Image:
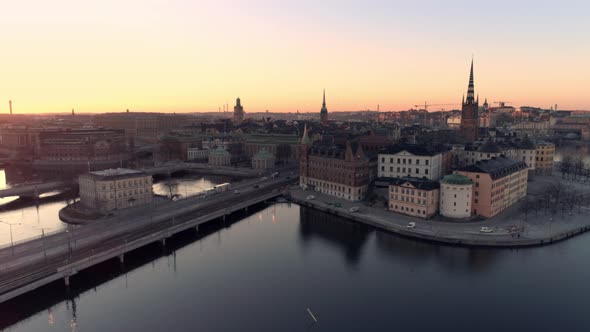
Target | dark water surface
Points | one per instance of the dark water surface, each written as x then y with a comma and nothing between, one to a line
263,271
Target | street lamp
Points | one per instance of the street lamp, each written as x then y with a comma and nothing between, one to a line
11,240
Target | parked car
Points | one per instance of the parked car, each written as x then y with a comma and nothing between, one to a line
236,192
311,197
484,229
354,209
411,225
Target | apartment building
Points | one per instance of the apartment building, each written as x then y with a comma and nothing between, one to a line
416,197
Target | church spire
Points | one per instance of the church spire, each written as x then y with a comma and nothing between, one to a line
471,87
324,110
324,100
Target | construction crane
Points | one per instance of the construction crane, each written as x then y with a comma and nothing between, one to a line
426,105
501,103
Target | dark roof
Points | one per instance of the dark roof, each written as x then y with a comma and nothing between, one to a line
114,174
418,183
415,149
497,167
456,179
489,147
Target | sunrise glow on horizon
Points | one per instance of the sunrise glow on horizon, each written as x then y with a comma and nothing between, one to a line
195,56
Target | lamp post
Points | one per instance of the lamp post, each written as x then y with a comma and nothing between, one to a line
11,240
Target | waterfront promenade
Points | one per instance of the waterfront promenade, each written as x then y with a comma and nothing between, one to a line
32,264
536,229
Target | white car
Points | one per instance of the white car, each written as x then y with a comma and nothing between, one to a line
311,197
264,178
486,230
236,192
411,225
354,209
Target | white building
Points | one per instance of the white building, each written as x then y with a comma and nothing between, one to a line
455,196
405,160
197,154
115,189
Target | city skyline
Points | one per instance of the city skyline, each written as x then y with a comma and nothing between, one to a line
183,57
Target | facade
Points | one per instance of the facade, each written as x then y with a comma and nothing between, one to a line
175,147
282,146
22,142
498,184
472,153
324,111
409,160
196,154
544,152
219,157
143,127
238,112
115,189
469,112
455,196
340,171
414,197
263,160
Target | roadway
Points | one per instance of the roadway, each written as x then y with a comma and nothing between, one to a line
40,258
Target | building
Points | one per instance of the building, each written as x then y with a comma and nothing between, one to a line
219,157
472,153
20,141
498,184
469,112
196,154
175,147
340,171
143,127
282,146
324,111
263,160
412,160
414,196
115,189
544,152
81,150
238,112
455,196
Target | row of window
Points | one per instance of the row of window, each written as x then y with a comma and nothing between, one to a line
404,160
406,209
403,170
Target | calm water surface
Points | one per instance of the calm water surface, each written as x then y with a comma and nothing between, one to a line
262,272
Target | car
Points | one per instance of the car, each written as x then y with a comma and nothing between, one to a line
484,229
264,178
354,209
337,204
311,197
236,192
411,225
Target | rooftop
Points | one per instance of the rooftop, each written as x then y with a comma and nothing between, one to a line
456,179
497,167
418,183
117,173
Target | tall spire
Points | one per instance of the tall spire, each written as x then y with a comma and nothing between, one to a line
471,87
305,138
324,100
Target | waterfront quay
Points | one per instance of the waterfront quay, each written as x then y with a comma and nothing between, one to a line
511,228
32,264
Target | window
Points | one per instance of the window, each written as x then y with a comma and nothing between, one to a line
404,161
409,161
417,161
426,171
417,171
426,161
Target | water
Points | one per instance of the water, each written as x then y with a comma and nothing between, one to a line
263,272
29,221
188,185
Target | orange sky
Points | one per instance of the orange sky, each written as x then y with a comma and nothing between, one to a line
186,56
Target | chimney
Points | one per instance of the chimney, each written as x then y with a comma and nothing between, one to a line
10,106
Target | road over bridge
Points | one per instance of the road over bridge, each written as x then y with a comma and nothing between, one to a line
35,189
35,263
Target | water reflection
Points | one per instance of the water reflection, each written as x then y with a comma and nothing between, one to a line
346,236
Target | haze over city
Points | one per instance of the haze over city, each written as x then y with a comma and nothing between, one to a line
195,56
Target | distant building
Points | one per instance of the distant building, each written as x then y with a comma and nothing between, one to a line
498,184
263,160
455,196
143,127
324,111
414,197
238,112
219,157
115,189
340,171
412,160
196,154
81,150
544,154
469,112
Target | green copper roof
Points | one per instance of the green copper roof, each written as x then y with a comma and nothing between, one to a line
456,179
218,151
264,154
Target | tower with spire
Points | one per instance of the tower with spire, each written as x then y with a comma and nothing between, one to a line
238,112
303,157
469,112
324,111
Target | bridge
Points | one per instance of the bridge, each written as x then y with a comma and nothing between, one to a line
35,189
30,265
202,168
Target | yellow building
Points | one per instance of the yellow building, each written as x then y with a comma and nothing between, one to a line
415,197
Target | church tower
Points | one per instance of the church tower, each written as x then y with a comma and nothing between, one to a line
238,112
469,112
324,111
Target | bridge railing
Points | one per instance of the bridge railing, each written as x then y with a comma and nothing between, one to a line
31,238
